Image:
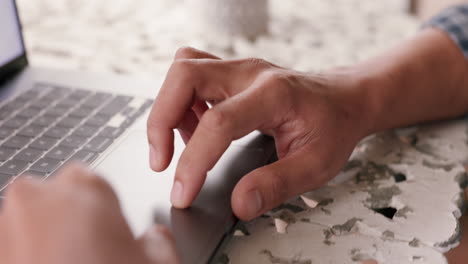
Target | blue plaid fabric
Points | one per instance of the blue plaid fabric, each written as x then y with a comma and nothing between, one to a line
454,21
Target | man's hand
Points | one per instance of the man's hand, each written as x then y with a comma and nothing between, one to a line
74,218
316,122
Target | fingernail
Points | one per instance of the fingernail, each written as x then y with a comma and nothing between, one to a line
154,162
177,194
254,203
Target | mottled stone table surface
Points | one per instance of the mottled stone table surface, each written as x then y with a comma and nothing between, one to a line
399,198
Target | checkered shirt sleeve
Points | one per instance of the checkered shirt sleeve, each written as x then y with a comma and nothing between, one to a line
454,21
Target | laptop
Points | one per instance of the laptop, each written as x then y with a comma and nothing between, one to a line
50,117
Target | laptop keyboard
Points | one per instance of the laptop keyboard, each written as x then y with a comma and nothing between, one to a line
47,126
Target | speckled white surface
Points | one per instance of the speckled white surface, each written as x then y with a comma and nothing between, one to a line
310,35
140,39
417,173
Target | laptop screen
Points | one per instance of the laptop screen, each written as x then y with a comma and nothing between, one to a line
11,45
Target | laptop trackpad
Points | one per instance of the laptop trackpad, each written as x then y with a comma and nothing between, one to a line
140,190
144,194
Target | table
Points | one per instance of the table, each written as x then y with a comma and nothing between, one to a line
398,199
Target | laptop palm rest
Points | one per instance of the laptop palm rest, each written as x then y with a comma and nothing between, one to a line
144,194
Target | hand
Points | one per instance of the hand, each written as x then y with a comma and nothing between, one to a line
316,121
74,218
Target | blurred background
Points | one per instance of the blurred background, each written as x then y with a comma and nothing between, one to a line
140,37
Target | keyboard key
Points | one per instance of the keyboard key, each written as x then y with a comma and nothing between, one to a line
96,100
44,121
123,99
57,132
31,131
81,112
117,121
69,122
29,95
5,132
5,179
147,104
111,132
84,156
58,92
79,94
67,103
45,165
56,111
115,106
7,108
16,142
16,104
29,155
15,122
131,113
6,153
36,174
85,131
41,104
97,120
13,167
4,114
98,144
28,113
74,141
60,153
43,143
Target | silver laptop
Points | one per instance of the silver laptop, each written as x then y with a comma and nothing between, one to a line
49,117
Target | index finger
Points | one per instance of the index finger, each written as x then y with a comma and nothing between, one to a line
219,126
187,81
160,129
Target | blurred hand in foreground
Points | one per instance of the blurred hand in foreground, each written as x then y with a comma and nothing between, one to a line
74,218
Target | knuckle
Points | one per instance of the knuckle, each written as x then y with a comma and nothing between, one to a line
215,119
76,173
186,71
96,183
185,52
183,65
72,171
278,85
257,63
19,189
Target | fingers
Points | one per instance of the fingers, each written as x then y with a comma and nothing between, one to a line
269,186
21,192
160,137
188,125
189,83
190,121
76,179
192,53
183,85
159,246
218,127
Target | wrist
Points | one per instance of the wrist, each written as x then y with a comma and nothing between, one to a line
356,96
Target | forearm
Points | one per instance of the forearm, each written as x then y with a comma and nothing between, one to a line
423,79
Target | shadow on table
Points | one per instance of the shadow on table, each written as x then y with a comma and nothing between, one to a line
459,255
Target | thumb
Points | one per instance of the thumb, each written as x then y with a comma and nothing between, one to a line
269,186
159,246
